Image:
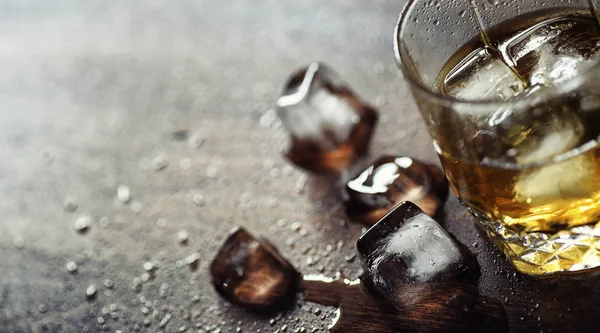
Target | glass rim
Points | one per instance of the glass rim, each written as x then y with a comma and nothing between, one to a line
546,93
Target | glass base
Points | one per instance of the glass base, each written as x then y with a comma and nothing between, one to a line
543,254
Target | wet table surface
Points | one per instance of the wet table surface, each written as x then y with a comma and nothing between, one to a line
99,94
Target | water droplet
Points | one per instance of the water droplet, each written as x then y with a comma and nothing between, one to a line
136,207
71,267
42,308
108,283
161,222
70,205
145,277
296,226
148,266
164,321
245,197
274,173
192,261
380,101
287,170
137,284
198,199
268,118
159,163
268,164
300,184
83,223
90,292
306,249
291,243
196,141
123,194
183,237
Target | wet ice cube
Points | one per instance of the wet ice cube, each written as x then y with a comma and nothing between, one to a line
557,182
554,51
252,273
330,127
531,134
391,180
548,144
407,249
483,76
552,68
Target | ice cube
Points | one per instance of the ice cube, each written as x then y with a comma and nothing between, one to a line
330,127
548,145
407,256
391,180
557,182
554,51
252,273
531,134
483,76
553,68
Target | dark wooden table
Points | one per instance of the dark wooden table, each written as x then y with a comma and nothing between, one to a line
96,94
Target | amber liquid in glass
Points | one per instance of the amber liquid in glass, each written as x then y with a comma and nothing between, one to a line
530,168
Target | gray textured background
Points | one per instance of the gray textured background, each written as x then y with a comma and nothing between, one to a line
92,91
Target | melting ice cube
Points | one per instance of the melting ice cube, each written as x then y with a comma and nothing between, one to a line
407,248
391,180
482,76
554,51
329,125
252,273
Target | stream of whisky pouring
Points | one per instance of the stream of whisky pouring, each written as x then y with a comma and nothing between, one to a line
489,45
493,49
594,14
